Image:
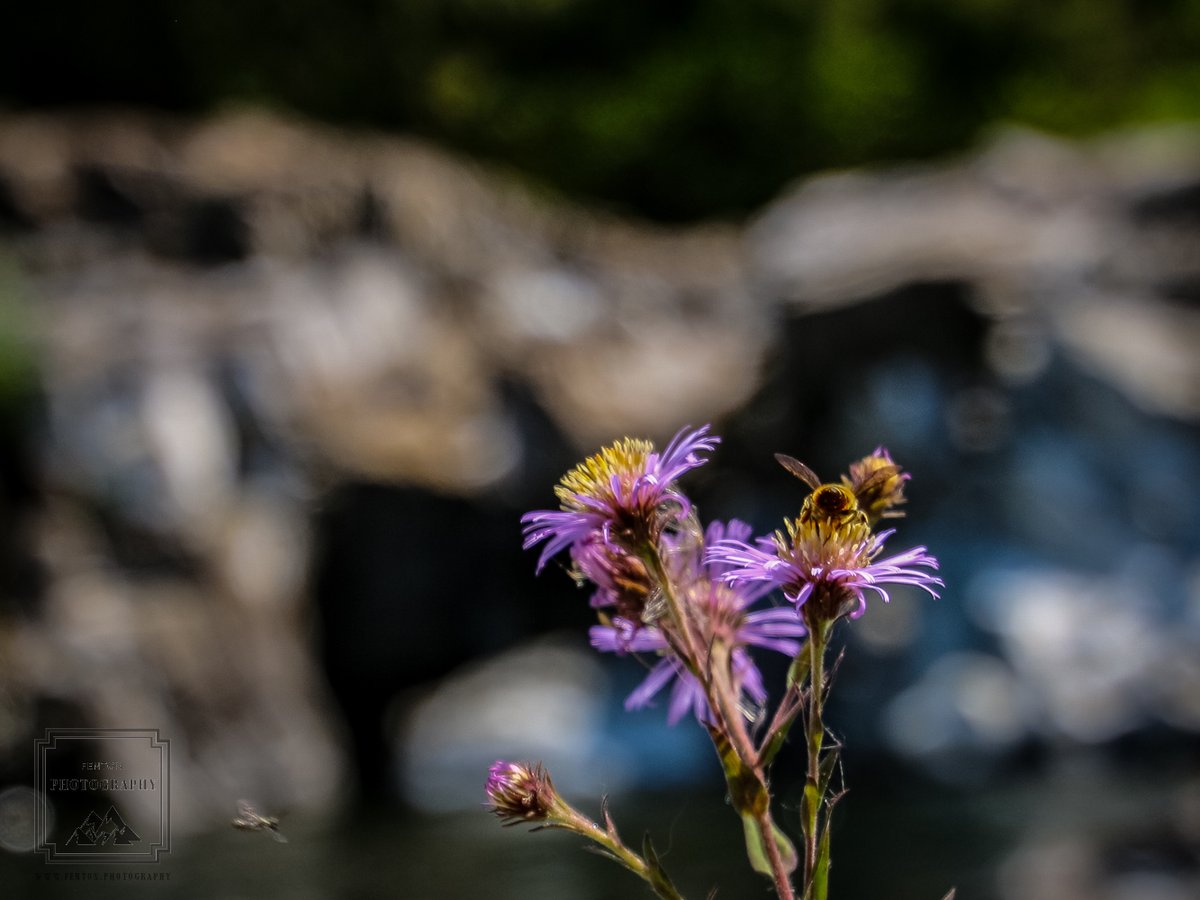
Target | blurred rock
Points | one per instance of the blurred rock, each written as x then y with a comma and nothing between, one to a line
239,320
1117,842
506,708
1095,243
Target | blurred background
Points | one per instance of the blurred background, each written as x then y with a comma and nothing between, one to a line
302,305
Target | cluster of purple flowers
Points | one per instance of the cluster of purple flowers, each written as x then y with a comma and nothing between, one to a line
665,586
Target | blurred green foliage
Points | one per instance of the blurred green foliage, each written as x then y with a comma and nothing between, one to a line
17,365
675,109
19,406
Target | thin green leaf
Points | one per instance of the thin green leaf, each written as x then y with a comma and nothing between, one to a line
601,850
783,726
821,873
826,769
831,674
797,673
609,825
756,850
787,850
657,874
728,756
811,801
747,793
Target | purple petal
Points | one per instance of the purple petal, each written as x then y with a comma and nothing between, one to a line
686,696
748,675
651,685
608,639
560,529
680,454
799,597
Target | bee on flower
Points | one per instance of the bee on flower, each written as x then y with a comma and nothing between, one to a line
827,558
690,598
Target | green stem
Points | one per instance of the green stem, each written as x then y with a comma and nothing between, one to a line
657,880
712,672
713,669
675,611
779,869
814,799
722,697
723,690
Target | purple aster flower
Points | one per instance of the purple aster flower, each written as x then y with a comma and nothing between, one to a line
721,611
829,557
838,564
625,493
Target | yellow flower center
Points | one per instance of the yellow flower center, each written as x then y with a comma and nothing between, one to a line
593,477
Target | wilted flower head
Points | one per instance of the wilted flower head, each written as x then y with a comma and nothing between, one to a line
827,557
624,493
518,792
722,614
623,583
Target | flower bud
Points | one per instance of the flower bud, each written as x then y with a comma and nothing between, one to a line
878,483
518,792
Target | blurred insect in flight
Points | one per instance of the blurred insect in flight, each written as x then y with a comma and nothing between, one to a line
248,818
